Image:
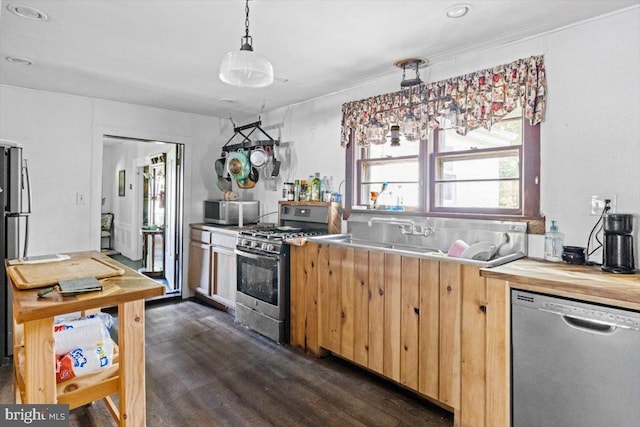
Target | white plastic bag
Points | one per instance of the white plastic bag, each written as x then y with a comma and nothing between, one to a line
82,345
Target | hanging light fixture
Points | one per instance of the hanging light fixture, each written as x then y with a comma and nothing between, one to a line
246,68
409,127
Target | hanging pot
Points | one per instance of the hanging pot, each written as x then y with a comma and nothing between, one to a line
249,182
238,165
259,157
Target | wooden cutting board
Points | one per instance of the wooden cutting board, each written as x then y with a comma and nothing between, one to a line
30,276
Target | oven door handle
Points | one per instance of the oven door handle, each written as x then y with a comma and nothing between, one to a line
255,256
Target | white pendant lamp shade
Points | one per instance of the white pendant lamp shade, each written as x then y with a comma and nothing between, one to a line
246,68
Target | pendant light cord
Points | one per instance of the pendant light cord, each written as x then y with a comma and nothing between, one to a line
246,20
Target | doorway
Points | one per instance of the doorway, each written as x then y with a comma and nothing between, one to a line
142,185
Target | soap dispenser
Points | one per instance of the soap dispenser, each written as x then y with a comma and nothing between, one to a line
553,244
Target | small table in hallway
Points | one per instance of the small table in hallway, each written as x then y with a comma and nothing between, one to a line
149,266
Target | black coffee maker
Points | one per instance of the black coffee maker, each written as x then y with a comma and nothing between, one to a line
618,252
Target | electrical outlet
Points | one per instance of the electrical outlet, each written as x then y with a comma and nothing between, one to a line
80,199
597,204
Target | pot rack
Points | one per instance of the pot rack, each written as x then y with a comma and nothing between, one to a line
248,144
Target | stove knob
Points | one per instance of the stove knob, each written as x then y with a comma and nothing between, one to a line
264,246
254,244
271,248
243,242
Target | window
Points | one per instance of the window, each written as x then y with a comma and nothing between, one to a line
486,173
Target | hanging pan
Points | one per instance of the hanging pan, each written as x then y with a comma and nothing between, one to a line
223,182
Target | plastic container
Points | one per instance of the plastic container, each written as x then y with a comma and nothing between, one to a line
553,244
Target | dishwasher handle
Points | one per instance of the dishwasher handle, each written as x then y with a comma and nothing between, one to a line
589,325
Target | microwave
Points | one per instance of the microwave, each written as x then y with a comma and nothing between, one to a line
228,212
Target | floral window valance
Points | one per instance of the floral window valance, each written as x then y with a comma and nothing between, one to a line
482,98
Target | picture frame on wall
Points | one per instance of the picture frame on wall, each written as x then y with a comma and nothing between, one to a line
121,183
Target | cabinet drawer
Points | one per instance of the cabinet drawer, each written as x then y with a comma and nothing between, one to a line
200,235
225,240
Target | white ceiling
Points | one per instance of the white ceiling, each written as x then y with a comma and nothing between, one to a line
166,53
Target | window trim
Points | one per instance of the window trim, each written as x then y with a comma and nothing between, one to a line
530,191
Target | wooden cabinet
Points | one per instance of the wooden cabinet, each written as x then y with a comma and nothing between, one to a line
212,265
200,267
376,309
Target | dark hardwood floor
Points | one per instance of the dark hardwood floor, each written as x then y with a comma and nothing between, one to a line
205,370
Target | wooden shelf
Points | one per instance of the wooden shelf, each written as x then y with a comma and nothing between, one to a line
81,390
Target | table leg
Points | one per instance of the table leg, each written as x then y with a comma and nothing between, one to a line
132,376
39,362
144,250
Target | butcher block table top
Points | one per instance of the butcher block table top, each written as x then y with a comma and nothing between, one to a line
588,283
29,276
121,288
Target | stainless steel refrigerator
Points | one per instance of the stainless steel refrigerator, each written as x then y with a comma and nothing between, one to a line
15,200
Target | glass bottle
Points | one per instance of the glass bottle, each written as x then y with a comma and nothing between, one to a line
296,190
315,187
303,190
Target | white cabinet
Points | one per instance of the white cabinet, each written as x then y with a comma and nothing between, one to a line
212,265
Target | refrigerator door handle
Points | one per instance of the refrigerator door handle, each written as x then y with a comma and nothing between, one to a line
27,180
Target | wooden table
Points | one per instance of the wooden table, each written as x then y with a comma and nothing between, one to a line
35,361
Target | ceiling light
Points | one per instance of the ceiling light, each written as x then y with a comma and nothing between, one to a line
458,10
27,12
246,68
414,63
18,60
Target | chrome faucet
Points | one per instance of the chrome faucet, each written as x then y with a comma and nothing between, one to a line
407,226
393,221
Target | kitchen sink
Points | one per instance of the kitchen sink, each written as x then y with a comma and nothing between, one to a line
403,249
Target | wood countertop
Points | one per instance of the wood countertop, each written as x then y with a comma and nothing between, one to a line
127,287
582,282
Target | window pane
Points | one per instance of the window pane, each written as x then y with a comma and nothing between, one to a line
406,148
396,194
487,194
390,171
503,133
484,166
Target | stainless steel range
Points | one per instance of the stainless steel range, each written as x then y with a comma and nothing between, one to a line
262,300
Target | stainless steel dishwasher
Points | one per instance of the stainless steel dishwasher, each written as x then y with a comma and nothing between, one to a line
573,363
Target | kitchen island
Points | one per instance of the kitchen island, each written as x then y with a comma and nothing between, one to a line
34,358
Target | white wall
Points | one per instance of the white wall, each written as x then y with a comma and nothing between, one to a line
62,138
590,138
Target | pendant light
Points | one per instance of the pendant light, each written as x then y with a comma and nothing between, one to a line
244,67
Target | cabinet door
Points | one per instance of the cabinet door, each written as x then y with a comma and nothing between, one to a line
473,349
429,328
200,267
449,363
224,277
361,307
376,311
392,304
410,322
347,304
330,269
297,296
498,329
